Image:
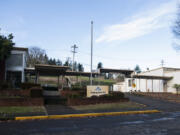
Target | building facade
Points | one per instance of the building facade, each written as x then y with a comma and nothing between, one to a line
15,65
156,80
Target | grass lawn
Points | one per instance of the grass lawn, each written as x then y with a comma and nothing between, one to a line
21,109
108,106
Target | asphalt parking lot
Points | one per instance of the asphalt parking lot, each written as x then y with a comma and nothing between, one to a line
165,123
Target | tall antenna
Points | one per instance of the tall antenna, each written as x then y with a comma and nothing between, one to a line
91,50
74,47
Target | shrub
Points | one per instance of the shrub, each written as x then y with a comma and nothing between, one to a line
117,94
77,87
5,85
50,88
29,85
72,94
36,92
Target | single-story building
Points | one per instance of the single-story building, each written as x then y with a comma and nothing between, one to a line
156,80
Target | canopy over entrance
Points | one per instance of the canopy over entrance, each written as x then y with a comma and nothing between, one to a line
57,71
126,72
152,77
50,70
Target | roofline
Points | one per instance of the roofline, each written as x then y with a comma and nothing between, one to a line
20,49
117,69
160,68
46,65
152,77
151,70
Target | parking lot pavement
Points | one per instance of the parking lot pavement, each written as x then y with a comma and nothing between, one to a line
165,123
142,124
153,103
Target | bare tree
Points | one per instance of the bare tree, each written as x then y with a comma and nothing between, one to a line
36,56
176,30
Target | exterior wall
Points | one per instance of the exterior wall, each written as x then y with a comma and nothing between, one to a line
175,80
119,87
145,85
157,72
17,68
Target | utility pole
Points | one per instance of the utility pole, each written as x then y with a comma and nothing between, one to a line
73,51
91,50
162,62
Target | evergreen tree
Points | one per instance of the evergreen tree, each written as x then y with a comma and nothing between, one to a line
137,69
6,45
100,65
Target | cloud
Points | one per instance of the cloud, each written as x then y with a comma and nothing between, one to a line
139,24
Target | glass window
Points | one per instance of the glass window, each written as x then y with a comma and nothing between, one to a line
15,60
129,82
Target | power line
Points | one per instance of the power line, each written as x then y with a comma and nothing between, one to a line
73,51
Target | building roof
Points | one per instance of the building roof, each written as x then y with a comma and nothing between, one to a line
75,73
126,72
53,70
20,49
165,68
50,70
152,77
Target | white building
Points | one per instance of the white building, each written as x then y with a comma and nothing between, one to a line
15,65
156,80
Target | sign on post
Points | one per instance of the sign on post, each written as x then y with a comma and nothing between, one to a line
97,90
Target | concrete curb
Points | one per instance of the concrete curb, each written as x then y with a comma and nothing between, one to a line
86,115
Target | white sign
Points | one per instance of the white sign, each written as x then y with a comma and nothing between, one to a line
97,90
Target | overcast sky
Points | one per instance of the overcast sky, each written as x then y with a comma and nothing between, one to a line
126,32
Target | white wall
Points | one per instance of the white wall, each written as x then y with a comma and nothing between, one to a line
175,80
156,72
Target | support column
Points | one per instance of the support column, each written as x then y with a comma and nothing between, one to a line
146,86
77,79
80,80
139,84
159,86
152,85
62,81
37,77
58,82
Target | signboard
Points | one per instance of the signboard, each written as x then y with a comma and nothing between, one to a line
134,85
97,90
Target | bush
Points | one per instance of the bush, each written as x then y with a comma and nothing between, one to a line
50,88
5,86
77,87
72,94
36,92
29,85
117,94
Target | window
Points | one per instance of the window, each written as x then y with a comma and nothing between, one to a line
15,60
129,82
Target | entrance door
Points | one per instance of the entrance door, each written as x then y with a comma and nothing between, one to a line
14,77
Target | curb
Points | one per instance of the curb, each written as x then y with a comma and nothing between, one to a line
86,115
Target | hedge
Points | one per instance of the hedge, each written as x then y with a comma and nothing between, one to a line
72,94
93,100
109,98
36,92
29,85
50,88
